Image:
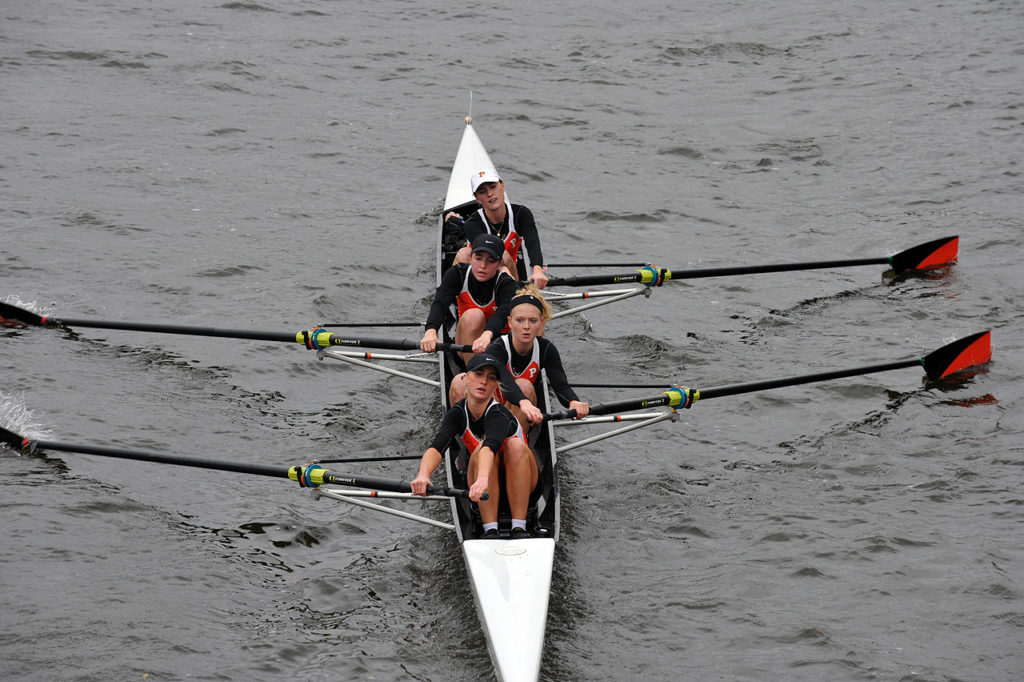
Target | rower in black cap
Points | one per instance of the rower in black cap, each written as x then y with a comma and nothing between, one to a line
483,293
495,442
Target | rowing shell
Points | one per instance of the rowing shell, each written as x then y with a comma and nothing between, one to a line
511,579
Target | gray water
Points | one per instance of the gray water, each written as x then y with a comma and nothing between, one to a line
273,165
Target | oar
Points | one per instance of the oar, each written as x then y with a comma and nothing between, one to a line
309,475
328,325
962,354
315,338
921,257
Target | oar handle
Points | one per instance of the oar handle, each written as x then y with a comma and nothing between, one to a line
445,491
313,475
649,275
318,338
677,396
560,415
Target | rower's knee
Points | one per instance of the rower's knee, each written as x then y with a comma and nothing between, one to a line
517,453
528,389
464,254
457,390
472,321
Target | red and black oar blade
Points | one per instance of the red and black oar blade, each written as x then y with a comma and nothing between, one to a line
11,439
962,354
933,254
12,314
968,352
926,256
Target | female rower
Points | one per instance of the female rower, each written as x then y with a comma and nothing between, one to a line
483,293
524,352
495,442
512,223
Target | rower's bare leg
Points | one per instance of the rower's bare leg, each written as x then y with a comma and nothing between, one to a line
457,390
510,265
471,326
520,476
529,391
488,507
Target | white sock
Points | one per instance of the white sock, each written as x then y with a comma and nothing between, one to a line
492,526
519,523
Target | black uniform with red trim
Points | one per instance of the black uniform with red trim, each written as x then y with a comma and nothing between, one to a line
518,229
458,285
493,429
543,355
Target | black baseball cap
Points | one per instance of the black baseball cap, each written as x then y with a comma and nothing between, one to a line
483,360
489,243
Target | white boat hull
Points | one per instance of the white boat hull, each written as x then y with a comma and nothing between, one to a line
511,581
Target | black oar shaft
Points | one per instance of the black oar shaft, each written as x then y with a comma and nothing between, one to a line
775,267
596,265
928,255
700,273
294,473
173,329
957,356
389,344
591,280
286,337
313,338
969,351
329,325
144,456
612,407
627,405
734,389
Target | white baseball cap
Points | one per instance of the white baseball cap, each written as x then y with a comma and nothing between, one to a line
482,176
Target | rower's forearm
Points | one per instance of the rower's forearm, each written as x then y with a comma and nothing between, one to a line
429,462
485,460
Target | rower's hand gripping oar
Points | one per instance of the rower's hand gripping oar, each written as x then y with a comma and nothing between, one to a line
925,256
313,475
313,339
308,475
954,357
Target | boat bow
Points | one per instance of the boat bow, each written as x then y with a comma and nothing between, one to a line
511,582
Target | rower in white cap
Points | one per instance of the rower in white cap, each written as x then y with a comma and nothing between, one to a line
512,223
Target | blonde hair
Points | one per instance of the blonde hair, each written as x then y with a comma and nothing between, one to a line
531,290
